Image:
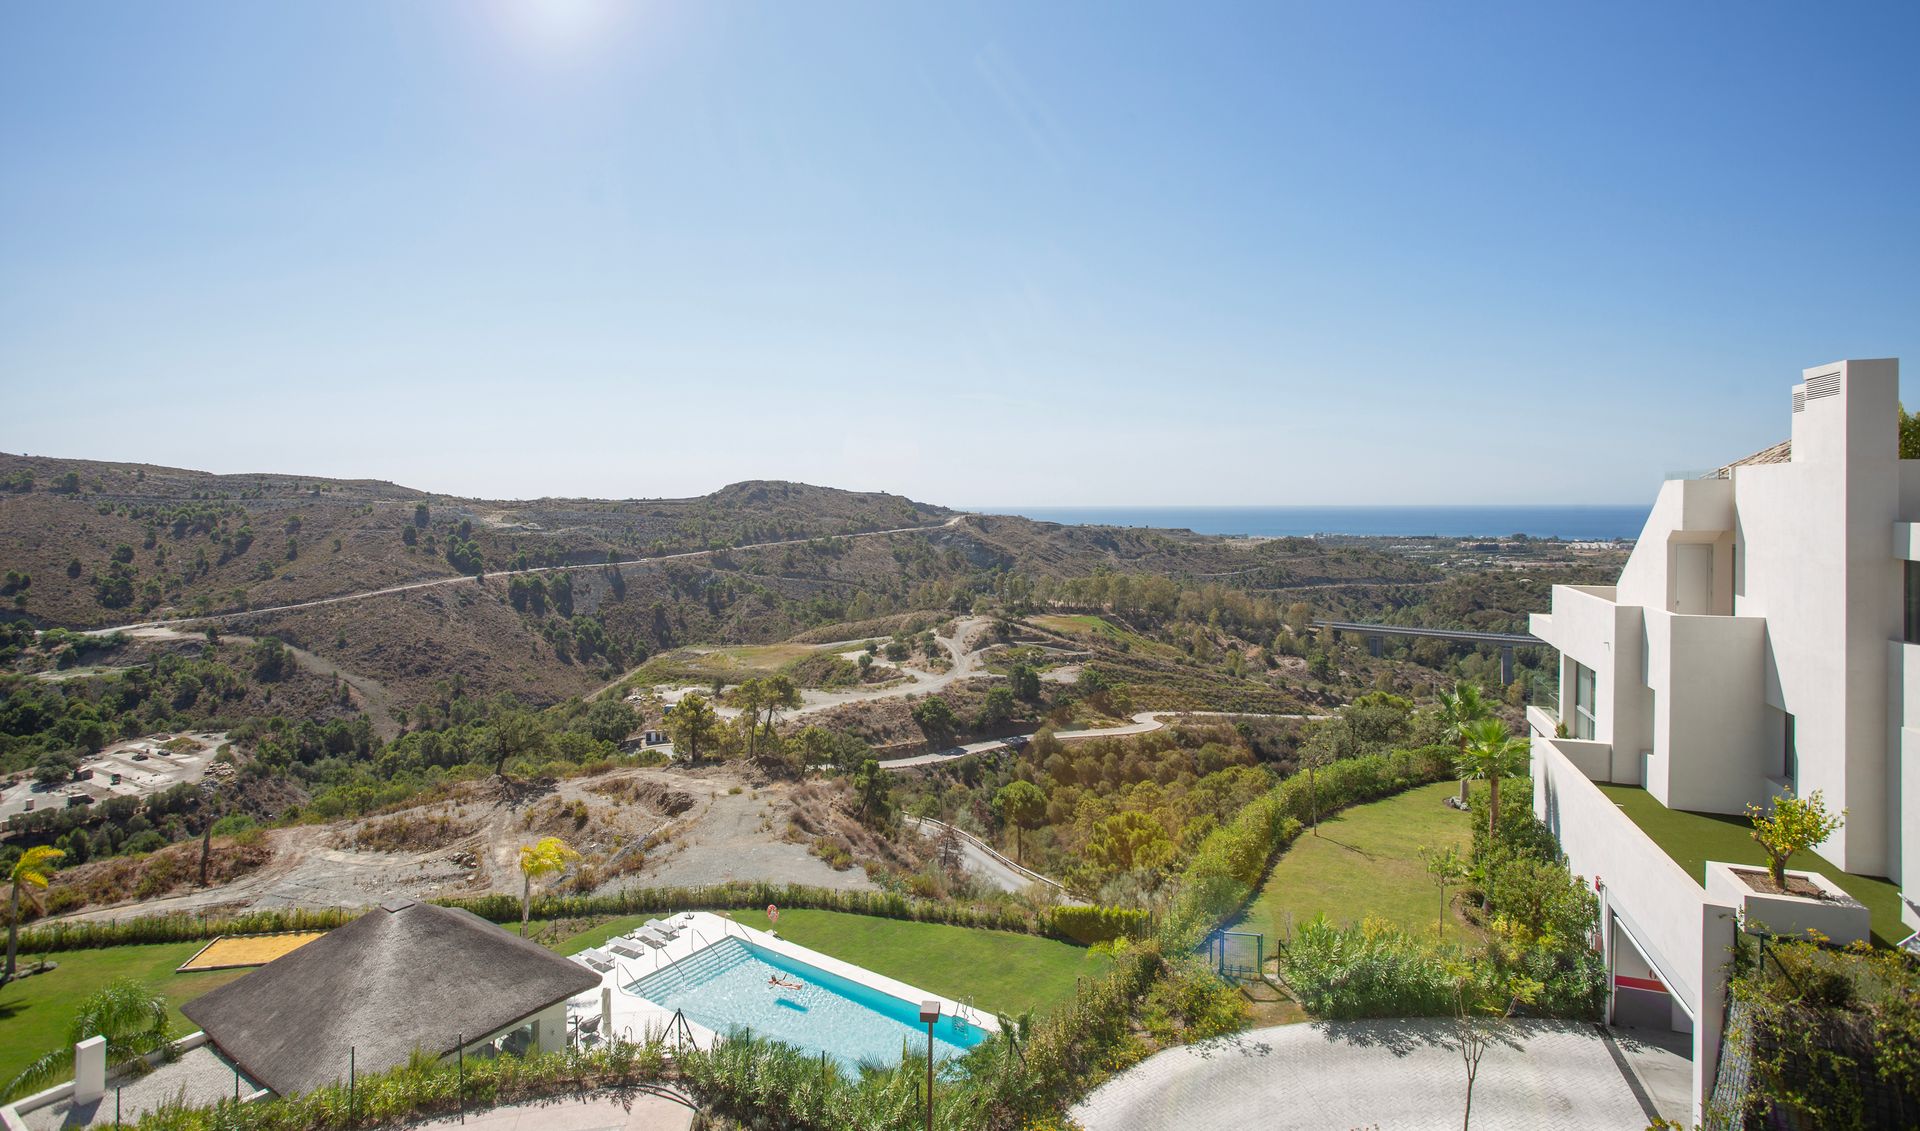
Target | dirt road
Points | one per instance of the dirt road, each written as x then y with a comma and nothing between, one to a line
414,586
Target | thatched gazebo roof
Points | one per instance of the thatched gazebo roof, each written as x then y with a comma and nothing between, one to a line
404,976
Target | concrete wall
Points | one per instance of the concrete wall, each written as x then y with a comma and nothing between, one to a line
1712,748
1685,937
1816,537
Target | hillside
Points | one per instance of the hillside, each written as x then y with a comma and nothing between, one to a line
549,598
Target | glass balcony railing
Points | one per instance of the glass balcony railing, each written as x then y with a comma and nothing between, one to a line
1546,695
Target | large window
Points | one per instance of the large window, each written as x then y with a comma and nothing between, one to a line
1583,714
1913,602
1790,756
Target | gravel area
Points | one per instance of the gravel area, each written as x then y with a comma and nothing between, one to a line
201,1076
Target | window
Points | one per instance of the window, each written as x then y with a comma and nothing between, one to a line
1583,697
1790,757
1913,602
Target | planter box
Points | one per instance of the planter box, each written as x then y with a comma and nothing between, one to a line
1836,915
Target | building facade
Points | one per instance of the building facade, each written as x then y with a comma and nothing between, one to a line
1764,638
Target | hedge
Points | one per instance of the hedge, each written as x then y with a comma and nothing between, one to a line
1069,924
1227,869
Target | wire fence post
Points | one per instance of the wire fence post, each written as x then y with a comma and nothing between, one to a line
351,1050
116,1107
461,1055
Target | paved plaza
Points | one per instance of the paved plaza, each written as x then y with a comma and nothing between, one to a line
1394,1074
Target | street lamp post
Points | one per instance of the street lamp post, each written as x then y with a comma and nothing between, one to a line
929,1013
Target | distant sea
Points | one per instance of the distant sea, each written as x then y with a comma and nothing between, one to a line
1571,522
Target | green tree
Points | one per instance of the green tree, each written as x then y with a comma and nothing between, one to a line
611,720
420,515
1130,841
1493,754
997,707
1909,434
548,857
511,735
1795,825
1022,805
693,726
1459,709
1445,869
1024,681
750,696
935,718
873,792
31,873
132,1017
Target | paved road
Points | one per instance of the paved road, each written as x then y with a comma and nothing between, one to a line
1540,1076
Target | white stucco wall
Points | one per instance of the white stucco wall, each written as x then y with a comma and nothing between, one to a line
1687,937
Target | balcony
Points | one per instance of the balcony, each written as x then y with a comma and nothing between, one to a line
1692,839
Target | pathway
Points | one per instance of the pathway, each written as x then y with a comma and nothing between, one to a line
1536,1076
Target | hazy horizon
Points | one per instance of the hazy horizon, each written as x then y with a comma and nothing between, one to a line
1338,255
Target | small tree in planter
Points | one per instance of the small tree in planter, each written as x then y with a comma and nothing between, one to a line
1796,824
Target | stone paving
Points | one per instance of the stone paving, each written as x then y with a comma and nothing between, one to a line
1389,1074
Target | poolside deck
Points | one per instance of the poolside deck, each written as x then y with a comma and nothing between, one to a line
635,1018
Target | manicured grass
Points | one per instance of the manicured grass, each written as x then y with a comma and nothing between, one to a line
1366,862
1002,972
35,1012
1692,839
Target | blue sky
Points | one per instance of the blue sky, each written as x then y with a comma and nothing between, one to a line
1019,253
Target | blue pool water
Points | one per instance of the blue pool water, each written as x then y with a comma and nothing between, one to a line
725,988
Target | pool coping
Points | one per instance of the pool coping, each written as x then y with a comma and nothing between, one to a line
700,930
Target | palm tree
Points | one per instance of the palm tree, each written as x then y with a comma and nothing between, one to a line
543,859
1490,752
1459,709
131,1016
30,871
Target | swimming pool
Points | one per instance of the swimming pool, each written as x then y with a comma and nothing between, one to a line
725,988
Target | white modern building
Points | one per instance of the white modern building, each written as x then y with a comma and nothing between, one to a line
1764,637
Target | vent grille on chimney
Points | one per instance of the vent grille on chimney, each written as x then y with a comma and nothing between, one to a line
1825,385
1799,398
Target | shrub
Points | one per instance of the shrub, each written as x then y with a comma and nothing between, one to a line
1371,970
1090,924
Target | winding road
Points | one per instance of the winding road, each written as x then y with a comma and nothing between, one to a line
413,586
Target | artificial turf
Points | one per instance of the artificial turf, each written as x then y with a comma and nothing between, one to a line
1364,863
1692,839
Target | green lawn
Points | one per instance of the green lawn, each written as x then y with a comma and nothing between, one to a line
1692,839
1366,861
1002,972
35,1012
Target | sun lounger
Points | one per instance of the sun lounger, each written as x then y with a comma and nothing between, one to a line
626,948
598,959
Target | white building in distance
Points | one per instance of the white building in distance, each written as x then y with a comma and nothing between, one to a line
1764,637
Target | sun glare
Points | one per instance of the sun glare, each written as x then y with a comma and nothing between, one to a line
556,27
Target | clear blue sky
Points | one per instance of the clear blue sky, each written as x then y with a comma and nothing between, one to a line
1005,253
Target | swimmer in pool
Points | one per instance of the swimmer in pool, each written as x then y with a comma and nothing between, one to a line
777,980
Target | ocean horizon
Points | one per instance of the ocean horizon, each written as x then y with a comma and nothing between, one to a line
1578,523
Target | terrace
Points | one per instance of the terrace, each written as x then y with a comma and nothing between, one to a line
1692,839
